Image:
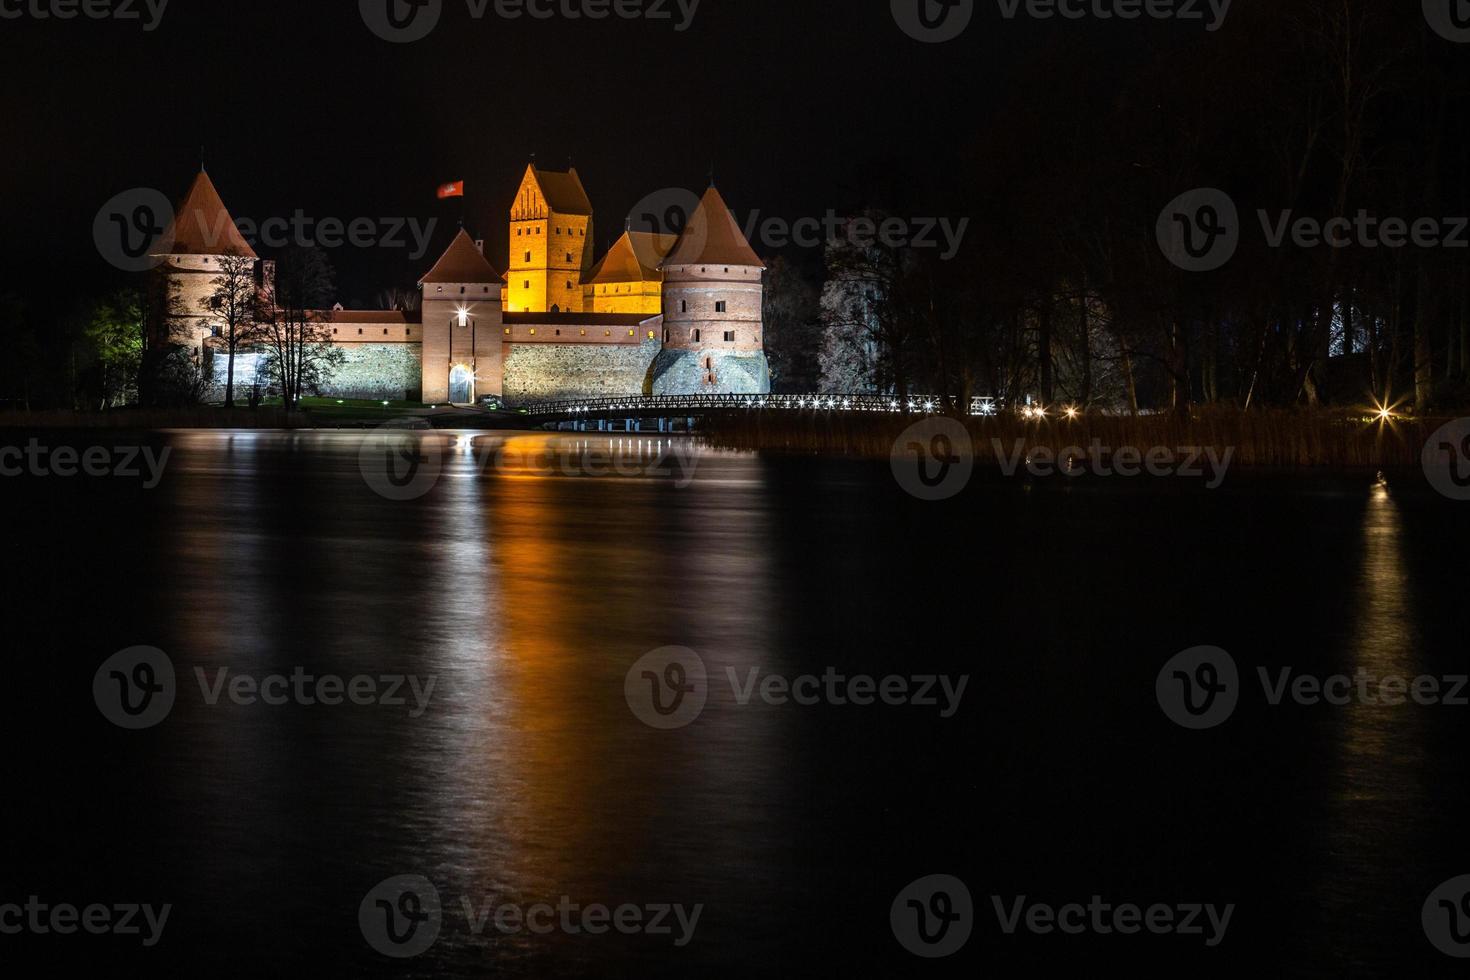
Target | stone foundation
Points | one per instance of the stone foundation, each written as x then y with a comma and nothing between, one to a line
559,372
678,372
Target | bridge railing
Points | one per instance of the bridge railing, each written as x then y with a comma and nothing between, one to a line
682,404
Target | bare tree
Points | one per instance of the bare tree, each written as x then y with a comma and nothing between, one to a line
300,354
233,306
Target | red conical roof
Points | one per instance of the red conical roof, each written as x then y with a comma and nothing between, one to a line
462,262
633,258
712,237
203,226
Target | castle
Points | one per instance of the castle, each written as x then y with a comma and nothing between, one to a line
656,315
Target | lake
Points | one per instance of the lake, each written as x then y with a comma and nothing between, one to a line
563,705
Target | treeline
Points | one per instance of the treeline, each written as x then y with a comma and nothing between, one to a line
1062,290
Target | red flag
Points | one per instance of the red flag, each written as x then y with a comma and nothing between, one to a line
455,189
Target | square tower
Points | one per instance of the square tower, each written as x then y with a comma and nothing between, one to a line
462,326
550,243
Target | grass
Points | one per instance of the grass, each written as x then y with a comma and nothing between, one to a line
1282,439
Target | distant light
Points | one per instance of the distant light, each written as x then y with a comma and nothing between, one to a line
1071,411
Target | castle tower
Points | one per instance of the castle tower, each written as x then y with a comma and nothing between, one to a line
550,235
462,326
627,279
188,262
712,296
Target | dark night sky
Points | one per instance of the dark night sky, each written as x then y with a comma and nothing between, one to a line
797,104
802,106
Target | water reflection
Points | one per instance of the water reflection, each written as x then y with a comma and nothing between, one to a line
1376,788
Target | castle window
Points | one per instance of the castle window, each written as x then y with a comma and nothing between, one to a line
683,306
607,333
558,333
533,331
729,336
507,331
461,290
650,335
487,289
528,256
385,331
439,289
697,335
359,331
666,336
334,330
408,331
720,307
569,257
526,284
518,233
582,232
632,333
584,333
569,284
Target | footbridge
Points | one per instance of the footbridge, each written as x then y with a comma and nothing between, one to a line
673,412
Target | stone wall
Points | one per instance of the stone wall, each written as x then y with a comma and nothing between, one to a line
387,371
556,372
711,372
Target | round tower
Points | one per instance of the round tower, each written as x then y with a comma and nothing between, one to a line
712,306
188,264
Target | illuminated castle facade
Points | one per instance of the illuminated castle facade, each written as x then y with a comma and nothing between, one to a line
655,315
